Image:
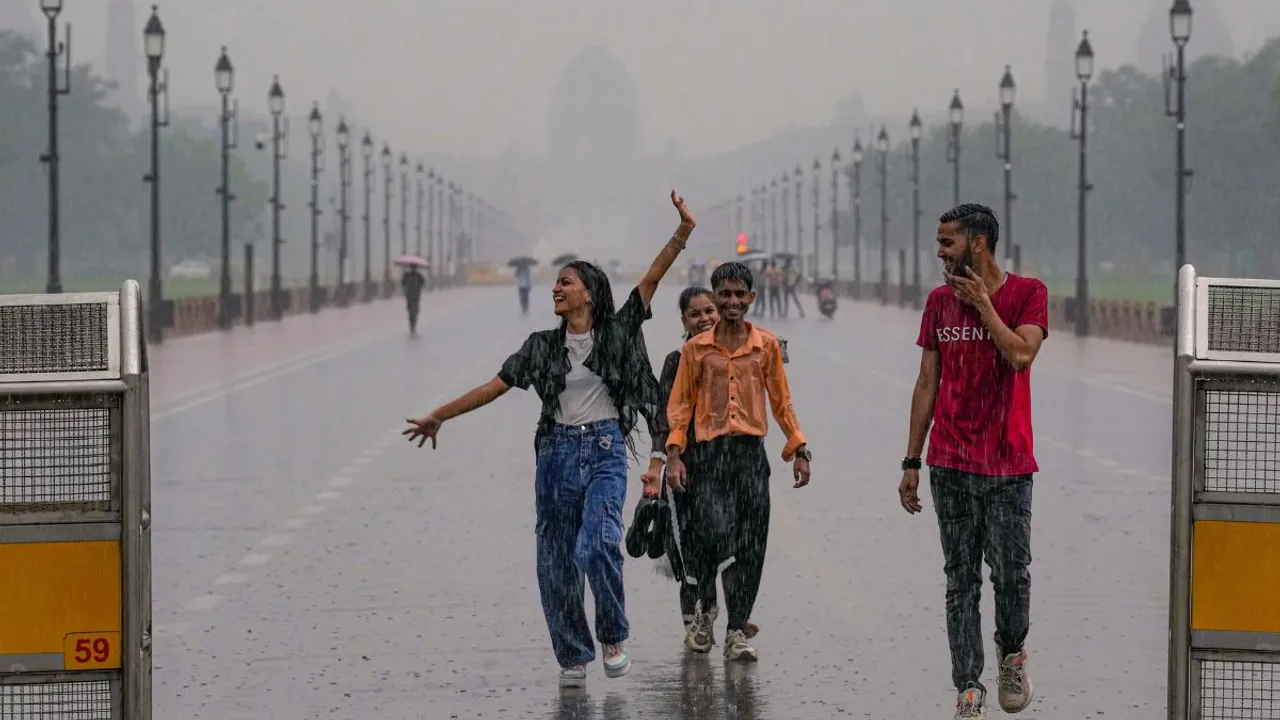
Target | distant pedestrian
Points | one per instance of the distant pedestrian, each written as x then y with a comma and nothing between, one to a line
720,389
412,284
980,332
593,377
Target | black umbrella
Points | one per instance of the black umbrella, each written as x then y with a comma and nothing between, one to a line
564,259
522,261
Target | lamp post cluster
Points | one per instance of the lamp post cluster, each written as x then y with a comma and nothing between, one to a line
766,196
453,216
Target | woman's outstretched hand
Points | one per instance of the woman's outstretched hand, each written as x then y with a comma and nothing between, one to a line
686,219
423,428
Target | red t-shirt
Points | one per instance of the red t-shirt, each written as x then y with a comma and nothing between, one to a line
982,417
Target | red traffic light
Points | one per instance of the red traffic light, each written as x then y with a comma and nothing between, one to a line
742,243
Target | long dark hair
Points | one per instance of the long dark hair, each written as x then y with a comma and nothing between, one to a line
635,384
686,297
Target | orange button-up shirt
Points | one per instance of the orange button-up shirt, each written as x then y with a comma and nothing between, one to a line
723,392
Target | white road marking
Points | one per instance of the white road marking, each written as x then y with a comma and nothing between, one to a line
276,540
296,523
311,509
203,602
340,481
256,559
328,495
231,579
175,629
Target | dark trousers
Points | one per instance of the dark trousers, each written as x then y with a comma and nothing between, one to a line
983,516
414,303
728,519
524,299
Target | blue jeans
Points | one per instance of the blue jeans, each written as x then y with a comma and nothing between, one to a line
983,515
580,489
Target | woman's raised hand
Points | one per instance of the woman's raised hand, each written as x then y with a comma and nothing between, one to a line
686,219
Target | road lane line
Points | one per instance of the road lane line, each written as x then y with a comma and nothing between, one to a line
202,602
257,377
256,559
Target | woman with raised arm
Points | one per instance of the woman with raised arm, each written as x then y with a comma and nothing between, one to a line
593,377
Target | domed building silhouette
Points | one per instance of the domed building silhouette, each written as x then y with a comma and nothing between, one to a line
595,146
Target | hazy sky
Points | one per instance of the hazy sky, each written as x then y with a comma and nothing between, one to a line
475,75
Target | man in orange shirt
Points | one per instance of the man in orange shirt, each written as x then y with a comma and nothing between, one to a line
720,387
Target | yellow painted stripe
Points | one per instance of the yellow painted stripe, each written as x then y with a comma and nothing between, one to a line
51,590
1235,576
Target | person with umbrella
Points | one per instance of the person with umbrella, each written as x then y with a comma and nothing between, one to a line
593,376
524,280
411,284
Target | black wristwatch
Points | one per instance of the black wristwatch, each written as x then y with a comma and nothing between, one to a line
803,452
910,463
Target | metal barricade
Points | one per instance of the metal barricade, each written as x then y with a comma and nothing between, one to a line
75,541
1224,605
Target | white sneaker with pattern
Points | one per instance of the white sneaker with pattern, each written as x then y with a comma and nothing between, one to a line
971,703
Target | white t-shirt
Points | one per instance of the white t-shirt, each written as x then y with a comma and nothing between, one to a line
585,398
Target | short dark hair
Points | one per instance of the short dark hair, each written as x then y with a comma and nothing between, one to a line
731,271
689,293
974,220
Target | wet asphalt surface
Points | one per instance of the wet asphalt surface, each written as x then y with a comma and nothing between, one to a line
309,563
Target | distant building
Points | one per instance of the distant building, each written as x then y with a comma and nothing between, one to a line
1059,64
124,59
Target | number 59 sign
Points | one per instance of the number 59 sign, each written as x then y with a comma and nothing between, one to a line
91,651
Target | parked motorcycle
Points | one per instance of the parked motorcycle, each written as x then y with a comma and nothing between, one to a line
825,291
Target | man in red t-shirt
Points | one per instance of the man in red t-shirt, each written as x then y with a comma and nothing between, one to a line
980,333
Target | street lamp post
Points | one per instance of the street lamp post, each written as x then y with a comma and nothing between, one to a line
798,176
882,145
1084,71
1176,75
1004,152
386,206
57,49
451,238
366,148
956,115
442,210
315,124
856,189
404,212
153,45
279,151
783,194
817,219
224,80
431,226
417,212
915,127
835,218
344,183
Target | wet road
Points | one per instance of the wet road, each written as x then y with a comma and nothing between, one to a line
310,564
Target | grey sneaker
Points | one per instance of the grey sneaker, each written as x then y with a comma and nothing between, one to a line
736,647
616,661
573,677
700,635
1016,689
971,703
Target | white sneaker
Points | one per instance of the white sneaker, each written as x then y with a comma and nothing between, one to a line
616,661
573,677
700,635
736,647
1016,689
971,703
